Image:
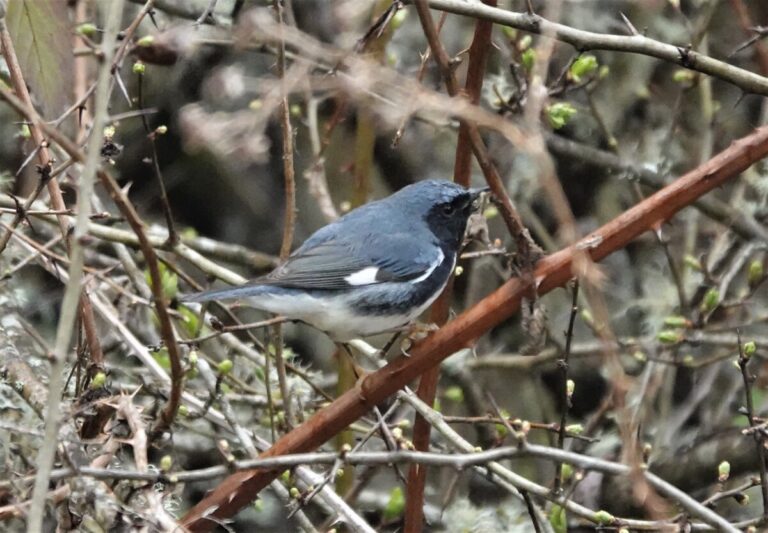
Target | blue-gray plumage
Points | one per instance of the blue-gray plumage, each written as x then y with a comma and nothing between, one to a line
373,270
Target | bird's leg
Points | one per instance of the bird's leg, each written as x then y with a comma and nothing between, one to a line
391,342
357,369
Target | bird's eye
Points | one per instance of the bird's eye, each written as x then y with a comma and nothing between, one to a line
448,209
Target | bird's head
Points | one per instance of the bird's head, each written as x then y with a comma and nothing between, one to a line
443,205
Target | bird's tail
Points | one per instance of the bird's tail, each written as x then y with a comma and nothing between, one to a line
228,293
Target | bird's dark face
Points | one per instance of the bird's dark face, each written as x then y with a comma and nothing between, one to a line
451,206
443,206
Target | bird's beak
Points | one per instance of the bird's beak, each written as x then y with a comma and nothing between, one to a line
477,191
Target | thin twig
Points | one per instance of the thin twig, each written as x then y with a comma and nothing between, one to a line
236,327
425,55
552,427
131,215
128,35
158,516
289,222
173,237
171,407
189,249
268,390
358,446
565,394
441,459
16,368
136,347
759,448
735,492
737,221
116,60
533,511
72,294
761,52
207,12
315,174
575,459
41,145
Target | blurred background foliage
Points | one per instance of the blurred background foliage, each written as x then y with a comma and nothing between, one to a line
221,162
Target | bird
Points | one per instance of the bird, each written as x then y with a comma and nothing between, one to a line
373,270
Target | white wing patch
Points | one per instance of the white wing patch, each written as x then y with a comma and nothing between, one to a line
366,276
431,269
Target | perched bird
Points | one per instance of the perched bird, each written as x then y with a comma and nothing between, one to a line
374,270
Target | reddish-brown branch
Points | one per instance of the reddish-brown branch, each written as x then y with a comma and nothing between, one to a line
289,217
551,272
478,58
462,170
508,212
289,222
417,474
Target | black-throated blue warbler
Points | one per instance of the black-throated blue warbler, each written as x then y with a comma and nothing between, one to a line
374,270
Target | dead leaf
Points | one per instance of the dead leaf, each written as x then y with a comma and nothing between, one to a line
43,42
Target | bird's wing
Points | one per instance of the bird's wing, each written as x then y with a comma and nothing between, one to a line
341,264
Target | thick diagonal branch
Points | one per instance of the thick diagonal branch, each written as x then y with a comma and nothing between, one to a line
551,272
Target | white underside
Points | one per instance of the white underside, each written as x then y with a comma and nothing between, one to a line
331,315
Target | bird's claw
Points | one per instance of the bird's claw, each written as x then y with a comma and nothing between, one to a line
414,333
419,331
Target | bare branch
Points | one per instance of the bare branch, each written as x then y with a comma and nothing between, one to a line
586,40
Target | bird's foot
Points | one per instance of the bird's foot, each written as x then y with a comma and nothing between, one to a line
360,373
416,332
